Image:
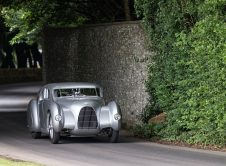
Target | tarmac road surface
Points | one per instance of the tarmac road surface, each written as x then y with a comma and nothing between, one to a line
16,142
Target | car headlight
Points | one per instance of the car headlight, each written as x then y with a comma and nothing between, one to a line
58,117
117,116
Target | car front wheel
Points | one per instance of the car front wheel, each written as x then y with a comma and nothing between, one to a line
53,135
113,136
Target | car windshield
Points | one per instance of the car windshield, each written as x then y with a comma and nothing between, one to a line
76,92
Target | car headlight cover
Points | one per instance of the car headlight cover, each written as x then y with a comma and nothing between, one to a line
117,116
58,117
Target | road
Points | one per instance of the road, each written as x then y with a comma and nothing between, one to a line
14,97
16,142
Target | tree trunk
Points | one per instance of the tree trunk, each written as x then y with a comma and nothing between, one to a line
127,10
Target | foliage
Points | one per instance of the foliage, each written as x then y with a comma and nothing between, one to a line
147,130
27,18
148,112
144,130
187,76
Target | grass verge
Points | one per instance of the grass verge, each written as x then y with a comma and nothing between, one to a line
5,161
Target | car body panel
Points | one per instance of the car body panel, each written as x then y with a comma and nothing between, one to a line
70,113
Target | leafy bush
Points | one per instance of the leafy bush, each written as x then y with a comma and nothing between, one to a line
144,130
147,130
187,74
148,112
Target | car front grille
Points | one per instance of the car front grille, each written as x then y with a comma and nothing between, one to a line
87,118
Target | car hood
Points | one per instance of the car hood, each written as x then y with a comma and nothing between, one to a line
80,102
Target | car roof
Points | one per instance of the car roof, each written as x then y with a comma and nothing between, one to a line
72,85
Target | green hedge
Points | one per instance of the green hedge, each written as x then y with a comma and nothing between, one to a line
187,76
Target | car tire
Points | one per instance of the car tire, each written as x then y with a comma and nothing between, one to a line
53,135
35,135
114,135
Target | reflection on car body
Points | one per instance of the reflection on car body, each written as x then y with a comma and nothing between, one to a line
74,109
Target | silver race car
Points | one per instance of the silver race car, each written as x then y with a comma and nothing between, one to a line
73,109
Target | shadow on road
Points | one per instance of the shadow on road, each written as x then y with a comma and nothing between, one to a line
14,124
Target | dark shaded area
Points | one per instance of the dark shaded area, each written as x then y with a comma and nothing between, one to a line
25,54
22,53
110,10
8,49
20,75
28,54
37,56
96,11
13,120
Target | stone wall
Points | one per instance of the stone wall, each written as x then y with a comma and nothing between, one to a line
112,55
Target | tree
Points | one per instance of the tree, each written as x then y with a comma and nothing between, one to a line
28,17
127,10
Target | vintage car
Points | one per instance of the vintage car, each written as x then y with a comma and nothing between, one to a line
73,109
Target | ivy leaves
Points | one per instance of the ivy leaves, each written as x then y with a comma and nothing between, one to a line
189,74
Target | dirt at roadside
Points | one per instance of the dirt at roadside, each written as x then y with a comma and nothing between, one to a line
196,146
9,158
161,118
